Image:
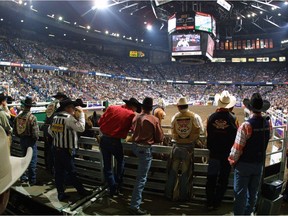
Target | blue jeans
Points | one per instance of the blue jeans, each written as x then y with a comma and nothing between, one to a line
65,168
145,158
217,180
247,178
25,143
112,146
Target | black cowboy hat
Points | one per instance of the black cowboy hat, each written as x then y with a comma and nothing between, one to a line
80,103
183,36
133,102
2,97
256,103
28,102
60,95
66,102
147,103
10,100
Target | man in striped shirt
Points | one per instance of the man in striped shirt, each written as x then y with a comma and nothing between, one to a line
64,130
248,154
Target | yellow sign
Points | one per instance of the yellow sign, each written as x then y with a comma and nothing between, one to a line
136,54
58,128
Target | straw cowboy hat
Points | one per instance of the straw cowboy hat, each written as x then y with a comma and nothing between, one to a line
11,167
182,101
256,103
225,100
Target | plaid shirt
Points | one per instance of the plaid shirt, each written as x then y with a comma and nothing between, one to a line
243,134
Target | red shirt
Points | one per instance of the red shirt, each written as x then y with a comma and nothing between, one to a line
116,121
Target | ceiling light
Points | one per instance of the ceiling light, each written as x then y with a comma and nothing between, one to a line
261,12
88,27
238,18
149,27
142,40
273,8
253,14
1,19
136,39
22,21
248,15
145,23
106,32
124,36
118,35
100,4
25,3
75,23
60,18
20,2
84,39
64,35
279,14
286,2
46,27
131,14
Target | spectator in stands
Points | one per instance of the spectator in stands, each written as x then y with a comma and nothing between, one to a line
48,146
10,170
64,125
248,155
26,127
185,132
146,132
221,131
115,124
4,119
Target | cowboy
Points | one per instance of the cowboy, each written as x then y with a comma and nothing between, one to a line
221,131
159,110
115,124
146,132
183,42
26,127
48,146
13,110
10,170
248,154
64,130
4,119
185,132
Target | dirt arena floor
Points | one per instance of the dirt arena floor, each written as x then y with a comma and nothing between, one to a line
203,111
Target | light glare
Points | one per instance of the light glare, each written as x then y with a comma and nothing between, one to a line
100,4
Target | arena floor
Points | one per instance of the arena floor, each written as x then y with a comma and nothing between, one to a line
203,111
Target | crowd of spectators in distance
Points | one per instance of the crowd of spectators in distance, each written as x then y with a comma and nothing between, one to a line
42,84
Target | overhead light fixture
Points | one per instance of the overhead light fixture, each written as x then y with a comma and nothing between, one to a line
286,2
261,12
273,8
279,14
1,19
46,27
64,35
248,15
106,32
145,23
22,21
84,39
88,27
20,2
100,4
142,40
136,39
238,18
131,14
25,3
60,18
253,14
117,35
149,27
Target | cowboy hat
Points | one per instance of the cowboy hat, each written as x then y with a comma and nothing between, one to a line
226,100
256,103
2,97
66,102
28,102
182,101
59,95
133,102
9,99
80,103
147,103
11,167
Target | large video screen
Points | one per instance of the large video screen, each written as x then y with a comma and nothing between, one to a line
172,24
186,43
203,22
185,21
210,45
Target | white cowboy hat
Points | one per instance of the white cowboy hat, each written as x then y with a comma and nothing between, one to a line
11,167
226,100
182,101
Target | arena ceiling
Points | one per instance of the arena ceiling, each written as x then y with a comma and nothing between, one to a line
131,18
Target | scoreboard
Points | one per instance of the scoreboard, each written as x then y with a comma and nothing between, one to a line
136,54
